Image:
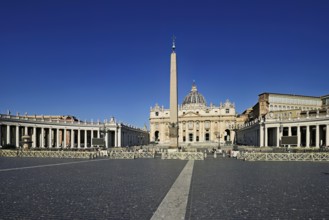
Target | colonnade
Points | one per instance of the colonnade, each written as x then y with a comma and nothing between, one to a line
57,137
308,135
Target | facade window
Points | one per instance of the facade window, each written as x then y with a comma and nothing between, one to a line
190,137
156,113
207,137
184,139
183,113
197,138
227,111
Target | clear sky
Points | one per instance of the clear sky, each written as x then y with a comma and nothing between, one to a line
97,59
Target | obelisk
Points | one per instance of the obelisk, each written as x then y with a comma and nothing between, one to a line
173,123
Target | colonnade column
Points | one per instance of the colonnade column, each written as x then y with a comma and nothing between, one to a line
26,131
79,138
327,135
278,136
8,134
34,137
116,137
72,138
0,136
17,136
298,136
261,135
64,134
289,134
50,138
57,138
91,138
266,136
307,136
317,136
119,137
86,138
106,137
98,135
42,137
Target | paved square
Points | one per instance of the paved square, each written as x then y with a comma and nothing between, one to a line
133,189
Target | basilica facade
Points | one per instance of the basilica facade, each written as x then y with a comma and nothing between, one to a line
198,123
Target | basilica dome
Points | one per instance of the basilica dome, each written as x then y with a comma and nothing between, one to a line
194,97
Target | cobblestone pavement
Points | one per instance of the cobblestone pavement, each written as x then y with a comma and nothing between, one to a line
106,189
133,189
233,189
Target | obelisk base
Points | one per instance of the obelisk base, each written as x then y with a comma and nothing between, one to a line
173,134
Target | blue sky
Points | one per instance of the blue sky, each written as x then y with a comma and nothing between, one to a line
97,59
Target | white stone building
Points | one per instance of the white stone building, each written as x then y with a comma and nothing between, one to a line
198,123
67,132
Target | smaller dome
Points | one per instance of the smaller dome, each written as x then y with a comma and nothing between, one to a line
194,97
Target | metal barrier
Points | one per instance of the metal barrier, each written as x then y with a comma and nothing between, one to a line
8,153
144,155
121,155
52,154
284,156
182,156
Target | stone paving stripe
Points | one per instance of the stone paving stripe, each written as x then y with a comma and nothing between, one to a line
173,206
48,165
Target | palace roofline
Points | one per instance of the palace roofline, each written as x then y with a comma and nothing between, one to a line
285,94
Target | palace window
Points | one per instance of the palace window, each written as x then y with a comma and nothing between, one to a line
184,138
197,138
156,113
227,111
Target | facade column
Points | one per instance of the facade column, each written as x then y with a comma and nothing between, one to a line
261,135
8,134
17,136
307,136
298,136
42,137
57,137
86,136
26,130
79,138
317,136
72,138
50,138
278,136
119,137
64,138
34,137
